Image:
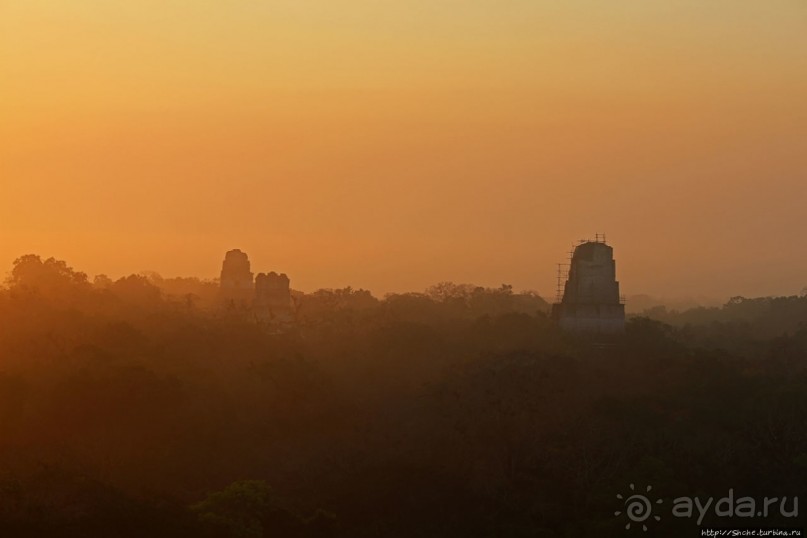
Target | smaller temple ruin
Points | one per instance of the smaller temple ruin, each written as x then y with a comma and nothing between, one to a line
266,298
272,298
590,300
236,283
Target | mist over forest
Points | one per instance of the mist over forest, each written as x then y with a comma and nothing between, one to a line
420,339
143,407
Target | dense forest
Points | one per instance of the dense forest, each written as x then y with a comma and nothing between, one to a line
139,407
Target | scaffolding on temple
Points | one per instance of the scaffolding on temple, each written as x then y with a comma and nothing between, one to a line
588,297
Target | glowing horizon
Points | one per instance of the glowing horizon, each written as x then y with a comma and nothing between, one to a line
389,146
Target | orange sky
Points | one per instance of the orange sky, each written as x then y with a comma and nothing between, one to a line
390,145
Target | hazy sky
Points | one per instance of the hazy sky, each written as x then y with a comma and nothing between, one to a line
393,144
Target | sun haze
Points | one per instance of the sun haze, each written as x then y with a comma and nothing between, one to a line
391,145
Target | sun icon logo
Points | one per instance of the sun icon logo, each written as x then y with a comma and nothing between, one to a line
638,507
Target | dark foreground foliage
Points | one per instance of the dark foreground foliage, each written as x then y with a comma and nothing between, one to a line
136,408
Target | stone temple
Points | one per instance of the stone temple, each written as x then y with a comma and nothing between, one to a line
272,298
266,298
591,300
236,286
